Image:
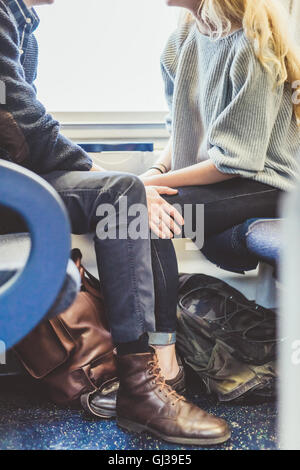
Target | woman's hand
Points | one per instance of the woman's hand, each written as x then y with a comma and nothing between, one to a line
164,219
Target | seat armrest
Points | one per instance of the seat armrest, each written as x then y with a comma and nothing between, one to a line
27,298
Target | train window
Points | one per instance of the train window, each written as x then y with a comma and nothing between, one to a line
103,56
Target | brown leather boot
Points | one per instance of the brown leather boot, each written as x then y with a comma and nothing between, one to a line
146,403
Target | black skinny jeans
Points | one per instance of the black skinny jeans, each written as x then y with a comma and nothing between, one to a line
225,204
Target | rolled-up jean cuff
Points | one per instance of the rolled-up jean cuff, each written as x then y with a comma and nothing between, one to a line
162,339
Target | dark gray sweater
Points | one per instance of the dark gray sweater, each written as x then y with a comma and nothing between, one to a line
28,135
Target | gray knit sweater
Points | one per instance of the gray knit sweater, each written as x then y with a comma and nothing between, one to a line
223,106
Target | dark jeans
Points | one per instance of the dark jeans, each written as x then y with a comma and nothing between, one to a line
228,203
139,278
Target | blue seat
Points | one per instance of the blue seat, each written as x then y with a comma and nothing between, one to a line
242,247
37,279
14,252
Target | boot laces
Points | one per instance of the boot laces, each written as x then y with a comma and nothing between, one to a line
155,370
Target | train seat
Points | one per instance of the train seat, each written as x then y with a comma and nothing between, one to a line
37,279
14,252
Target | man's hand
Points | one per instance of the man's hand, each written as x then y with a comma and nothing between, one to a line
164,219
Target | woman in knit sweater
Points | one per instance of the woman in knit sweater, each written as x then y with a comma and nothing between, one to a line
232,80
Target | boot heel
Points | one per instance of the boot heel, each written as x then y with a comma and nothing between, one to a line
130,426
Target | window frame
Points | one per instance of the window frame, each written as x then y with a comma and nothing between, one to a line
108,126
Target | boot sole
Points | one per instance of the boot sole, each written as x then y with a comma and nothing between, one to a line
140,428
102,413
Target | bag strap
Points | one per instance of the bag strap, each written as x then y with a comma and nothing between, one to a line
89,282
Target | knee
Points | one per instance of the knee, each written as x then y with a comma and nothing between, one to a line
132,187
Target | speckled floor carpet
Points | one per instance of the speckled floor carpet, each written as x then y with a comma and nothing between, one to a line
29,422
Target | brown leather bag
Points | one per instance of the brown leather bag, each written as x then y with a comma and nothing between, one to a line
72,354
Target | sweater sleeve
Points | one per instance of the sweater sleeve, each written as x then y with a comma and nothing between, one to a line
28,135
240,136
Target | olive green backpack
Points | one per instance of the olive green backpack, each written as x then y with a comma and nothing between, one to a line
229,341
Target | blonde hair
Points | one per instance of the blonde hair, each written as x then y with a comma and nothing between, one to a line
265,23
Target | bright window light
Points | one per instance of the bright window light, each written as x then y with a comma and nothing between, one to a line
99,55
